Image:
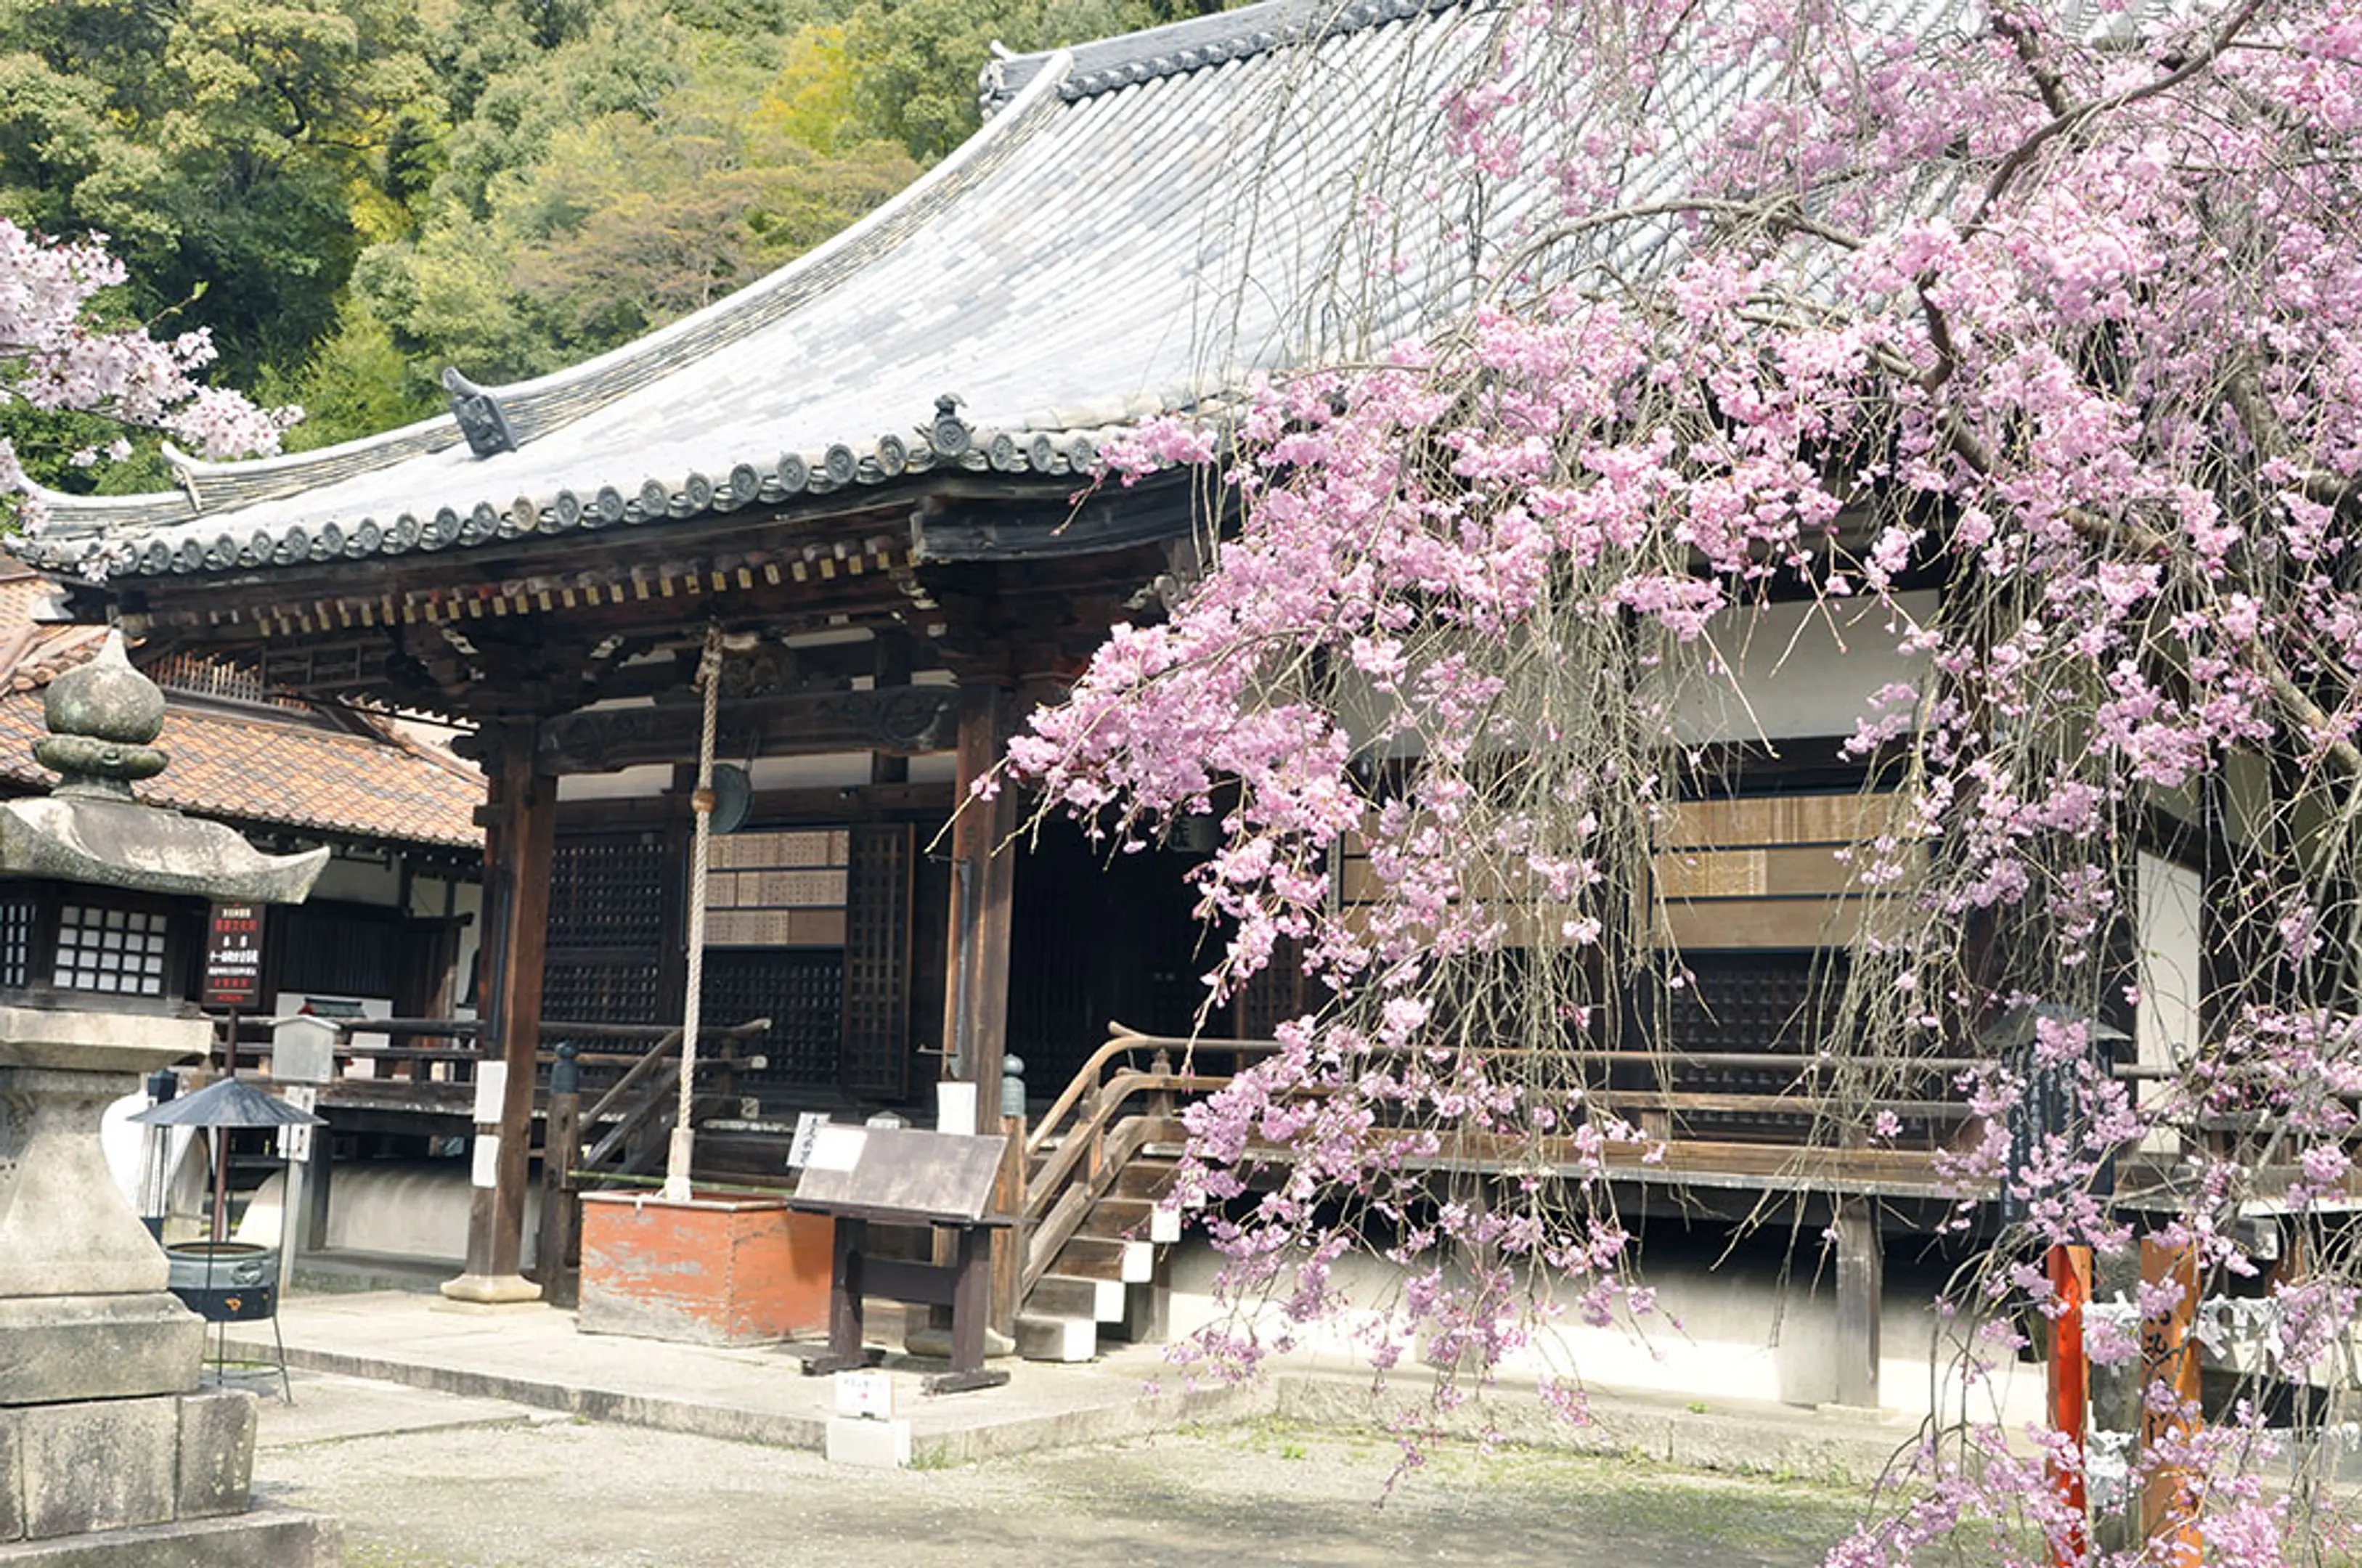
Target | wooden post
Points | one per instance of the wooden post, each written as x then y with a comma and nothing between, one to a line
1009,1243
2067,1387
319,1170
976,1001
844,1325
890,667
2114,1412
1861,1291
2169,1357
561,1143
521,837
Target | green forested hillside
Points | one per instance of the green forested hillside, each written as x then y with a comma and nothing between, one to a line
353,193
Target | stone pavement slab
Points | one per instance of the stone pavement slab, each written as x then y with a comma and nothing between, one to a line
535,1356
330,1408
590,1495
393,1360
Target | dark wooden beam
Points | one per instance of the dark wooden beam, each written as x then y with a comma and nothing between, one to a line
926,804
947,530
902,720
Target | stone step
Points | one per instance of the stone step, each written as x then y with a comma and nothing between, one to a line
1043,1336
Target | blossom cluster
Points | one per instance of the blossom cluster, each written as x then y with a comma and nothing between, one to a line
2039,340
58,358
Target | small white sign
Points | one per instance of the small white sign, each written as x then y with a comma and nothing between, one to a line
956,1107
491,1087
868,1396
808,1126
296,1143
835,1148
486,1171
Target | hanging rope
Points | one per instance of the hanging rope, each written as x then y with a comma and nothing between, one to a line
683,1144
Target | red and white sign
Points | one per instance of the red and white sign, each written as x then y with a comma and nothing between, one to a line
234,956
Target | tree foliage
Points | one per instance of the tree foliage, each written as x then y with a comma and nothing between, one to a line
221,145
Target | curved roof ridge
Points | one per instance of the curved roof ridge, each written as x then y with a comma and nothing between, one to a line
1177,49
543,404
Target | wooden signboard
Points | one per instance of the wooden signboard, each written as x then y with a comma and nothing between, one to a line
234,958
777,890
907,1172
906,1175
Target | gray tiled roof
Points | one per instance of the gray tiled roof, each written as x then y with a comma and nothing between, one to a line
1140,223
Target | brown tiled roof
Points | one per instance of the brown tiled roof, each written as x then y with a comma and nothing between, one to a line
281,773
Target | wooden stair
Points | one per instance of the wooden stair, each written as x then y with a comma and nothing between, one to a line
1096,1164
1108,1275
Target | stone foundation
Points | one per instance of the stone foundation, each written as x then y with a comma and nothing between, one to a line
55,1348
267,1538
100,1465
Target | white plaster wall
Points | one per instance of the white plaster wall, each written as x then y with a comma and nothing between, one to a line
1738,1332
1776,670
426,898
410,1208
2167,972
431,732
360,882
831,770
645,780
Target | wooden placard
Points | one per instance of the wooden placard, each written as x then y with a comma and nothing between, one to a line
904,1170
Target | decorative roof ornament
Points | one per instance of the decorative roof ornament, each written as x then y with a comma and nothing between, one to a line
102,715
482,419
950,436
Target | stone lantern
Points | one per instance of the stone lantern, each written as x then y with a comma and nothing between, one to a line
108,1451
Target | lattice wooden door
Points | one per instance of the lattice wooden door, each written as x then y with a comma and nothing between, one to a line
612,899
878,961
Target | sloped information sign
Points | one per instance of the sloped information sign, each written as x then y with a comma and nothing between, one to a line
927,1176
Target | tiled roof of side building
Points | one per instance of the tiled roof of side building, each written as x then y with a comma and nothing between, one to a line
257,770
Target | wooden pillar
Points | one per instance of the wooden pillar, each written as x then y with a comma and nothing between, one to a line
2066,1388
1861,1293
976,997
1007,1243
890,667
521,833
976,1001
560,1243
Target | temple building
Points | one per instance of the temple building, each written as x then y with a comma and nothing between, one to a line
868,479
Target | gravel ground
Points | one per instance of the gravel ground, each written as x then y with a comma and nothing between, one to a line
423,1482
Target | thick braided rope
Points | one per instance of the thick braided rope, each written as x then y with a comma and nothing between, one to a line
709,675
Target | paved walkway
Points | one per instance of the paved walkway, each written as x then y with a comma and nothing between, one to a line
424,1480
535,1357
